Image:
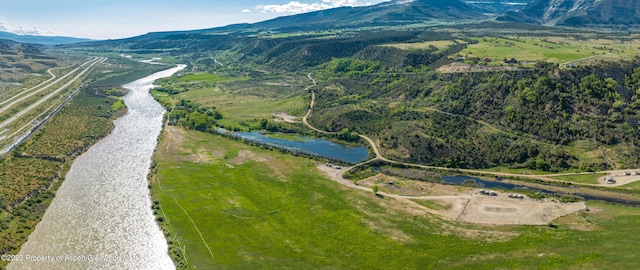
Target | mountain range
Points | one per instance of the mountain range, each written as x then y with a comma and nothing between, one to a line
497,6
43,40
572,13
393,13
578,13
396,12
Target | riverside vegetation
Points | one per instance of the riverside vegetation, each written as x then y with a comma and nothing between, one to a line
31,174
225,204
532,114
230,205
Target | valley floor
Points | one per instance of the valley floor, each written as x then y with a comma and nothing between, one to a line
470,206
224,204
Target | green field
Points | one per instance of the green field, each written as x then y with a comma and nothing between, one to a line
233,206
440,44
242,104
591,178
548,49
202,77
118,105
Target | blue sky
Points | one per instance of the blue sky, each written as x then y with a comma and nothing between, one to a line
104,19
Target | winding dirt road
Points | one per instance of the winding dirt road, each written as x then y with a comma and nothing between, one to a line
379,156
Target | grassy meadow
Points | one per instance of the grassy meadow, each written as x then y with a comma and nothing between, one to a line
440,44
224,204
241,101
550,49
591,178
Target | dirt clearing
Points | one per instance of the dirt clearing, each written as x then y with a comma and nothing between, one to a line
280,116
472,206
620,178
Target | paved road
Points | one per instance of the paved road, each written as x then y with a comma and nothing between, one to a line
53,77
50,95
21,98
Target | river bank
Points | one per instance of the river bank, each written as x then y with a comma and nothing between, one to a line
32,174
104,199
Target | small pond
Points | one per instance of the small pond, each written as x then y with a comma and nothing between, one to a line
460,179
314,146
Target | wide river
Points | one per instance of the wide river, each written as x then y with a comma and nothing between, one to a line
101,217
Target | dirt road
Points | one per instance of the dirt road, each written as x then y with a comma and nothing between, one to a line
475,207
379,156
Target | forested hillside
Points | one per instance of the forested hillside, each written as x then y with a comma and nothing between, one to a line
522,119
386,84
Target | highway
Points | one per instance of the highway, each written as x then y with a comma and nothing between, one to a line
21,98
50,95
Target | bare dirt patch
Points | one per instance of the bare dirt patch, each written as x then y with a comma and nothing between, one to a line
171,145
621,177
462,67
502,210
578,221
471,206
245,155
400,186
173,137
280,116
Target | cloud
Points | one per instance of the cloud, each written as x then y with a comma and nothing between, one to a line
299,7
27,31
246,11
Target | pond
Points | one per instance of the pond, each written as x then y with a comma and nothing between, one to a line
461,179
313,146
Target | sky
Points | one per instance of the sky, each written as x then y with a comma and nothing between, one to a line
112,19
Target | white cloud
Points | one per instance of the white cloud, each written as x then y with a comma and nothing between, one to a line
27,31
299,7
246,11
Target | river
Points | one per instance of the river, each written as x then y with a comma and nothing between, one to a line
101,217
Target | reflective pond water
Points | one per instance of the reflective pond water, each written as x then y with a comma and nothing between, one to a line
572,191
314,146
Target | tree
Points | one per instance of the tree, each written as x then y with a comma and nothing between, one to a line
375,189
264,123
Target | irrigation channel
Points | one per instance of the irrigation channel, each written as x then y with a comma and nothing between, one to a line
101,217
